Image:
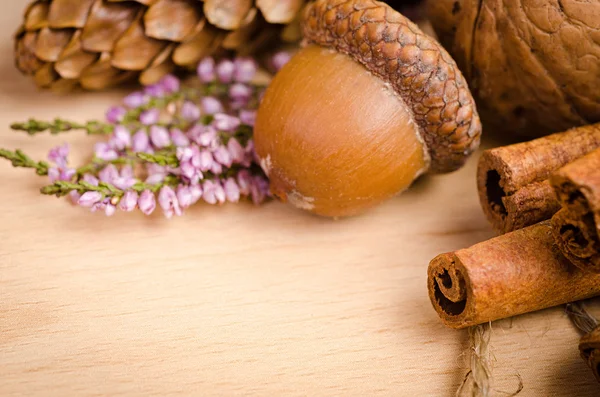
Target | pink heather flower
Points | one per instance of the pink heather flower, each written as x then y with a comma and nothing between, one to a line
240,92
232,191
222,155
196,192
147,202
91,179
225,70
235,150
170,83
159,136
74,195
185,196
59,154
190,111
108,174
245,69
88,199
121,138
155,179
150,116
135,100
206,70
225,122
167,199
216,168
208,193
154,90
206,161
184,154
209,137
115,114
54,174
155,169
190,172
259,189
211,105
244,180
219,192
248,117
99,206
128,201
60,174
195,131
104,152
110,209
179,138
124,182
280,59
140,141
127,171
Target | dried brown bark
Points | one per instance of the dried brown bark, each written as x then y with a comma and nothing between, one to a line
577,225
515,273
513,185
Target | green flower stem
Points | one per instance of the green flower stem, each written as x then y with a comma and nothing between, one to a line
33,127
20,159
63,188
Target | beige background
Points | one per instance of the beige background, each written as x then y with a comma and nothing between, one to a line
239,300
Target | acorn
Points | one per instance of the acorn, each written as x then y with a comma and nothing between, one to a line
366,106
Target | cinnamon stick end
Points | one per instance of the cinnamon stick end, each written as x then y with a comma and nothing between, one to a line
589,347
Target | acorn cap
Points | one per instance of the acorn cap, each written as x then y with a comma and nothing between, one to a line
420,71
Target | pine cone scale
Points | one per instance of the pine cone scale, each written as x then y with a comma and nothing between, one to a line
106,24
69,13
158,20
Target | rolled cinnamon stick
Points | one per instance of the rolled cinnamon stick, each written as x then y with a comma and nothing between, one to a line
589,346
577,226
519,272
513,180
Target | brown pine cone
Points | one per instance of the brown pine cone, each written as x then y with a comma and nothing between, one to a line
96,44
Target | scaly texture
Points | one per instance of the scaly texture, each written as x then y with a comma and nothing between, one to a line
512,181
506,276
415,65
589,346
577,225
96,44
532,64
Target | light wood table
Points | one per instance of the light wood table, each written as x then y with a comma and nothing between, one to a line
239,300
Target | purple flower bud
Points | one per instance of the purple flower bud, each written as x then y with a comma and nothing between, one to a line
259,189
248,117
219,192
232,190
280,59
216,168
206,160
154,179
110,209
190,172
209,137
206,70
121,138
240,93
140,141
222,155
59,154
195,159
244,180
147,202
190,111
185,196
135,100
53,174
66,174
74,196
150,116
208,193
235,150
167,199
99,206
155,90
179,138
211,105
196,192
124,182
104,152
88,199
225,70
108,173
170,83
91,179
184,154
245,69
115,114
225,122
127,171
195,131
128,201
159,136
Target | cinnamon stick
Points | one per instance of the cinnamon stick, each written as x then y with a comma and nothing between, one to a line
577,225
589,346
513,180
518,272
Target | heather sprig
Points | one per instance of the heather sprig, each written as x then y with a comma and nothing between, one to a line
168,145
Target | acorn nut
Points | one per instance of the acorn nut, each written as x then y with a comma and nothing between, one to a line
368,104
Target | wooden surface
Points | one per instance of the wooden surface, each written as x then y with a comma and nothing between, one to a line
240,300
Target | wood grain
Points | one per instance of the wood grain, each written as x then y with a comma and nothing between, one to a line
239,300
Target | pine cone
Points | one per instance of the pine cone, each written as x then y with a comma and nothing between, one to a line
96,44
